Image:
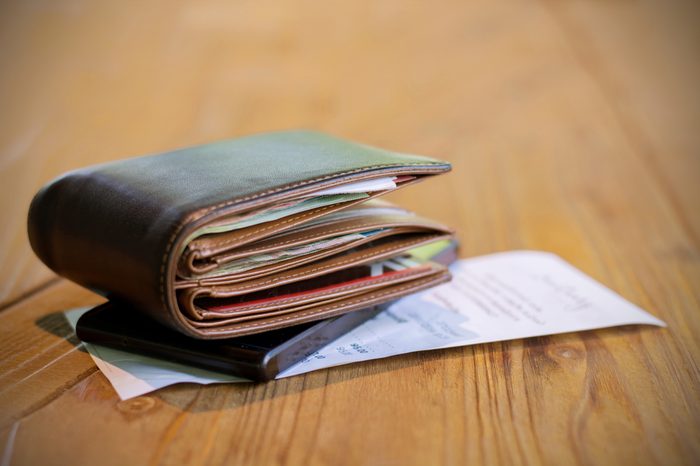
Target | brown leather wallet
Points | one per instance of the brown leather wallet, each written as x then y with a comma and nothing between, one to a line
242,236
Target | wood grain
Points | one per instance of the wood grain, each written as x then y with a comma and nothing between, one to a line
572,127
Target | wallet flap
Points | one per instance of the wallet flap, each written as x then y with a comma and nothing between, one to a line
325,310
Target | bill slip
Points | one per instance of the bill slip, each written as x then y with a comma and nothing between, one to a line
498,297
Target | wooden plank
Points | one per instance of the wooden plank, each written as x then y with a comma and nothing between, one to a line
571,128
642,62
40,357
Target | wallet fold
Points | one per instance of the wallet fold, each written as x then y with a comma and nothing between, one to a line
241,236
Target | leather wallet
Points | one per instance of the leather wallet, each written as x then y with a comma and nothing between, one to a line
242,236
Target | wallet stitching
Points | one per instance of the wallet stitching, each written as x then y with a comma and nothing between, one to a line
341,288
324,294
305,259
303,238
182,224
270,227
329,266
326,232
330,308
310,213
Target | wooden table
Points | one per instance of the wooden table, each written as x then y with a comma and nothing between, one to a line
572,127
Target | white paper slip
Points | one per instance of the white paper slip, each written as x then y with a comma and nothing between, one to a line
366,186
492,298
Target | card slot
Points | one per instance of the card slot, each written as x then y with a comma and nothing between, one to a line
321,232
325,266
322,311
230,279
199,259
211,244
253,317
227,279
261,302
295,261
358,254
269,269
196,252
212,319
